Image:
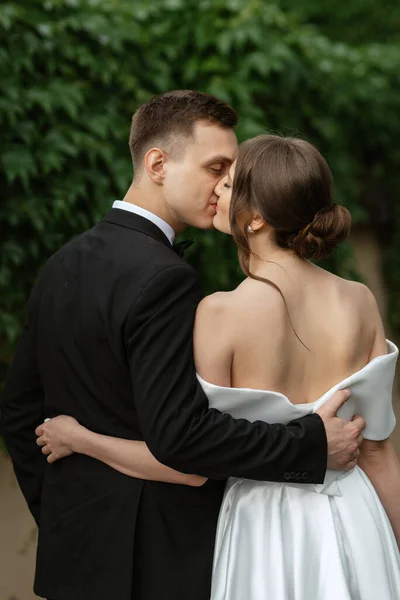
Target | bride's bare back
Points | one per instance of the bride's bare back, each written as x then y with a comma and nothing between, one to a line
245,338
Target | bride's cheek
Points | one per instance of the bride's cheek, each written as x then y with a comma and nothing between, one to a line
226,215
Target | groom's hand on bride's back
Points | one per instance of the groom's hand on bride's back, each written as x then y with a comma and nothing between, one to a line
344,437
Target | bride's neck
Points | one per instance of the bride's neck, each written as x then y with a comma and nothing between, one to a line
266,254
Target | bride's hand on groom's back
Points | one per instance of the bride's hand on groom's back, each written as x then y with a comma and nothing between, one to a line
344,437
56,437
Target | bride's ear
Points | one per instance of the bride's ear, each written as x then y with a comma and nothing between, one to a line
257,223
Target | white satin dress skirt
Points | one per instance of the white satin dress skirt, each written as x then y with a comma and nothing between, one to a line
291,541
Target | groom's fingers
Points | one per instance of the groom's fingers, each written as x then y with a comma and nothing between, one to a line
359,422
40,441
46,450
331,406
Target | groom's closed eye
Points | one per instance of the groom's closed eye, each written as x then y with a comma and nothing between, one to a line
218,165
219,170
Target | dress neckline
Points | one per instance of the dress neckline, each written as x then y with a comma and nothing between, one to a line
392,354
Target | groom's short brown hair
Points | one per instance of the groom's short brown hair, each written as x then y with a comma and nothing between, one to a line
165,118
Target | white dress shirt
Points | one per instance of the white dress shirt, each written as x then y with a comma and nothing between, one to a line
142,212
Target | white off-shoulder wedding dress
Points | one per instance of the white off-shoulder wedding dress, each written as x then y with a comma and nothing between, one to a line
291,541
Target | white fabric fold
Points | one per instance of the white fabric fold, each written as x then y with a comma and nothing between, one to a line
289,541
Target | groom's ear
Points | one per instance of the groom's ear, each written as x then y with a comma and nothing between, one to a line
154,162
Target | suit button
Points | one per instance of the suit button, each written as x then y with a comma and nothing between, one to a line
286,476
292,475
305,476
299,477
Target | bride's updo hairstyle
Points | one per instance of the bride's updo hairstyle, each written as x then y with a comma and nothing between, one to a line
289,184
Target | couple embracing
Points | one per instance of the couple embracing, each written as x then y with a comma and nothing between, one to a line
192,447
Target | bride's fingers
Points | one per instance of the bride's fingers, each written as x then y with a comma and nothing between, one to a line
40,441
46,450
41,428
51,458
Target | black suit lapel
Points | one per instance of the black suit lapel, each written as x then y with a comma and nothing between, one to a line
124,218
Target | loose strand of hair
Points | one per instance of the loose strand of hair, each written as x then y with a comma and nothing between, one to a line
244,253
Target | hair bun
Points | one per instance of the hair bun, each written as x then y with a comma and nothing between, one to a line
317,240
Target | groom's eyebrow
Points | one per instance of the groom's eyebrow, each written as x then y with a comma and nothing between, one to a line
218,158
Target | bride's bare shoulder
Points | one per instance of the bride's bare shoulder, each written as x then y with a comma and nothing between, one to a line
355,290
212,312
254,298
360,307
216,309
215,302
249,292
212,337
358,292
251,305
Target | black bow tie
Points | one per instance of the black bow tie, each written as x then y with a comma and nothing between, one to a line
180,247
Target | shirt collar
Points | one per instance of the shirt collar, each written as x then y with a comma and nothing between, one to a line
142,212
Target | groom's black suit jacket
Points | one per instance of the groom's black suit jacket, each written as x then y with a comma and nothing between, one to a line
108,340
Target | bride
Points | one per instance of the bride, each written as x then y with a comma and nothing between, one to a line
291,330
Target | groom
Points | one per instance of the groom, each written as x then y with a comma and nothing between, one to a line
108,340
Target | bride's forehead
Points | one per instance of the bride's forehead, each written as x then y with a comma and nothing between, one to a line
232,169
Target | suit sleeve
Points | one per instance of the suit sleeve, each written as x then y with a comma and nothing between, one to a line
176,421
22,411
